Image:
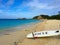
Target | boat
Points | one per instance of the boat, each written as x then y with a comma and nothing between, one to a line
44,34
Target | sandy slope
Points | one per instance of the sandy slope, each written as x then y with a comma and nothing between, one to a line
46,25
20,36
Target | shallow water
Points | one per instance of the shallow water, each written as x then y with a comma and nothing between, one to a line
7,26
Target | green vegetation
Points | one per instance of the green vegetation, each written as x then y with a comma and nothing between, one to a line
57,16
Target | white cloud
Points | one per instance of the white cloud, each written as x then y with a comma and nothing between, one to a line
1,12
35,4
9,3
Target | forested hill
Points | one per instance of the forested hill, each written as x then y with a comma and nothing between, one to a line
57,16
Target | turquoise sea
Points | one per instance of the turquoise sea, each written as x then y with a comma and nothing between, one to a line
7,24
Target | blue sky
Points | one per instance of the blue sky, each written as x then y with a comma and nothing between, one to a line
28,8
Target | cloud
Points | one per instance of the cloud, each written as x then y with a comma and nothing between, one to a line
35,4
7,4
36,7
0,11
7,14
10,2
1,5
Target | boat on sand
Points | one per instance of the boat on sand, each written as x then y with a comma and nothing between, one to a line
43,34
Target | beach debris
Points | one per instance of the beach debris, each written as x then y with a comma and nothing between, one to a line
6,34
15,43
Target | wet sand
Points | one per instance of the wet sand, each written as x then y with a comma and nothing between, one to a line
19,37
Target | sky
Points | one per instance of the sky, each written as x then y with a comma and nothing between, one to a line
28,8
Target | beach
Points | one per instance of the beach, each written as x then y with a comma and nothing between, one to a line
19,37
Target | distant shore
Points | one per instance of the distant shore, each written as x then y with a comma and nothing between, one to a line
20,36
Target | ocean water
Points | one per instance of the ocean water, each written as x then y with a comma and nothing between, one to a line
7,25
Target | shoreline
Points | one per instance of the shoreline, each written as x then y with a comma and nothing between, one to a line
22,27
15,36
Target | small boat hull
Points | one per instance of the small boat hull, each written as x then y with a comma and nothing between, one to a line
43,34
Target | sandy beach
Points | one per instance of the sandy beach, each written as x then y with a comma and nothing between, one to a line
19,37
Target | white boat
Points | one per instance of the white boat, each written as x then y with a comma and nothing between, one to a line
43,34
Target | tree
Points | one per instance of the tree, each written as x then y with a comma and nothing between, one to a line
35,17
45,16
57,16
